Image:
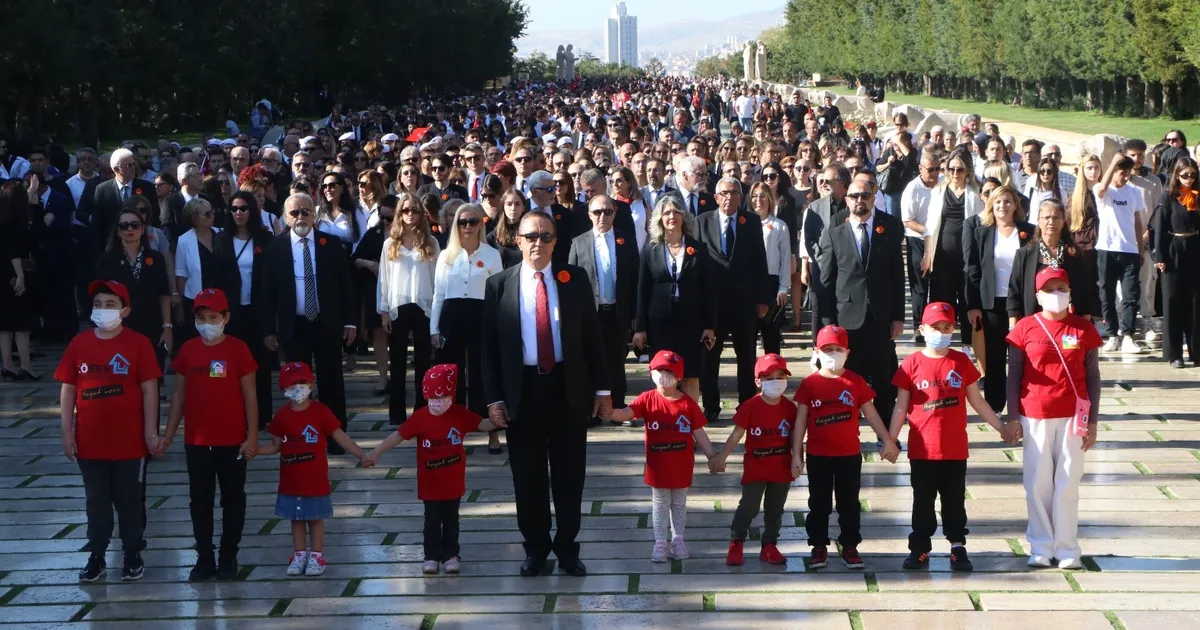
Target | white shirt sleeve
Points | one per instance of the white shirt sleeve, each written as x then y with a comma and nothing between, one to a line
439,292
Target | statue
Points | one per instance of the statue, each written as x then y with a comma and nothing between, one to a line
558,63
569,63
760,63
748,63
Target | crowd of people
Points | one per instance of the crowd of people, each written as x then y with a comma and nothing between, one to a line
524,242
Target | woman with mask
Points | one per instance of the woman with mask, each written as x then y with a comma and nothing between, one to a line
1176,230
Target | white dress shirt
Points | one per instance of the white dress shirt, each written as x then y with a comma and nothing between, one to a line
244,250
859,234
529,339
76,184
187,264
606,263
406,280
779,251
463,277
339,227
1004,251
728,221
914,205
367,218
641,210
298,267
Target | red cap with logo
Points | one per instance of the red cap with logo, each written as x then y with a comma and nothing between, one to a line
211,298
667,360
295,372
1048,274
114,287
833,335
937,312
441,381
768,363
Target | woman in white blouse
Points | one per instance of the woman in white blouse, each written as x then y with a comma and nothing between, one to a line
1046,185
197,263
335,209
779,262
462,271
404,296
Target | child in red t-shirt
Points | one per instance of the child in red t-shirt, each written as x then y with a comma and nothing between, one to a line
215,391
299,433
933,388
828,405
440,428
672,420
768,421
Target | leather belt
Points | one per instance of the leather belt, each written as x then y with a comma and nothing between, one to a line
607,307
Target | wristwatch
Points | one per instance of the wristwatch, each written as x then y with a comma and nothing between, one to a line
168,325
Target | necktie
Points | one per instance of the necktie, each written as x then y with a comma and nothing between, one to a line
124,192
606,280
692,203
310,283
475,189
545,338
729,236
864,244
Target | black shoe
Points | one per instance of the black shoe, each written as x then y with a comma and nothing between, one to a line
335,449
227,567
205,569
959,560
712,414
532,566
495,450
94,569
916,561
594,422
134,568
26,375
8,375
1178,364
573,568
362,350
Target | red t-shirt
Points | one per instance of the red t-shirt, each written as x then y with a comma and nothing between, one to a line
937,409
769,430
833,412
108,376
213,406
303,467
670,447
1045,391
441,458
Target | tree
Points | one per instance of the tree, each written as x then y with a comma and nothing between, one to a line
655,67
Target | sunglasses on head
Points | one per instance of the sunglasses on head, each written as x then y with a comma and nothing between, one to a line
533,237
126,226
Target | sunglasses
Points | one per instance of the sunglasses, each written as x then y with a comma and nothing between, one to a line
304,212
224,183
955,169
861,195
533,237
607,212
559,183
770,177
1174,139
126,226
1046,171
472,157
207,214
240,209
440,168
522,159
329,185
1188,175
468,222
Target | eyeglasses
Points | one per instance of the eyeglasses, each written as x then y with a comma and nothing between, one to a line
860,195
533,237
440,167
488,196
242,209
207,214
770,177
327,185
1053,156
955,169
725,193
468,222
126,226
1046,171
302,212
608,212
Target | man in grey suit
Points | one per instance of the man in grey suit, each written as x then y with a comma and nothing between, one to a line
831,183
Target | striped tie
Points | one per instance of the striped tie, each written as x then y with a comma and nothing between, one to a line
310,284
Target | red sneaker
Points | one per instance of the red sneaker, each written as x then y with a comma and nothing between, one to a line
734,557
819,558
851,558
770,554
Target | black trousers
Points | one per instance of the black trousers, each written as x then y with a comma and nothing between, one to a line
995,330
830,478
410,320
441,529
312,342
946,283
1124,268
742,327
243,327
772,497
616,347
545,429
1181,311
462,339
929,479
873,357
208,466
916,281
768,326
118,484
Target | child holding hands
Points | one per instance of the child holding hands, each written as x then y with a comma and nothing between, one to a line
828,405
674,424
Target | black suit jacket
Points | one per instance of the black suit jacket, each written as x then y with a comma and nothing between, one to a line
852,291
1022,298
741,281
444,194
979,251
171,215
697,303
704,203
145,292
583,254
582,341
276,311
100,205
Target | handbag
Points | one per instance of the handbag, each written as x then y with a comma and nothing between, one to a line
1083,407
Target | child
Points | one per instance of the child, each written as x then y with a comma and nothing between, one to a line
833,397
768,421
933,387
299,431
109,411
439,427
672,420
215,391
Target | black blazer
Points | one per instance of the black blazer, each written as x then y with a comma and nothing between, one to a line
509,256
582,341
100,205
226,250
852,291
444,194
583,254
1022,297
698,294
171,215
741,281
276,311
705,202
979,251
145,292
1171,218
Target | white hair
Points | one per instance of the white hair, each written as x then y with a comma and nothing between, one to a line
118,155
186,170
693,164
269,151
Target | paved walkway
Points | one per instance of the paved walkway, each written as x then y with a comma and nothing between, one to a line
1140,529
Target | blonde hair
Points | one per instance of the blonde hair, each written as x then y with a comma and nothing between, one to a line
454,245
1000,170
426,247
1081,196
988,217
770,197
657,233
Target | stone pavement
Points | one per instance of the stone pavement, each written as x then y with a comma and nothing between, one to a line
1140,529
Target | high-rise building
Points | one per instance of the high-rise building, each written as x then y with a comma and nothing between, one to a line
620,37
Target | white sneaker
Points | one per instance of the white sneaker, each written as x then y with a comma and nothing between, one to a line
1041,562
316,565
1129,346
1070,563
660,551
452,566
297,565
430,567
1111,345
678,549
1150,336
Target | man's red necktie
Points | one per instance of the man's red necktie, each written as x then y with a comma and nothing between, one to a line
545,338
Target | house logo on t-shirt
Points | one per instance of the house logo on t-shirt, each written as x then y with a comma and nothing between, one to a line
1070,342
683,424
455,436
783,428
216,369
119,365
310,435
953,379
846,398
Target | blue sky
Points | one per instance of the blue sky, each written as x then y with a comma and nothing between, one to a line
553,15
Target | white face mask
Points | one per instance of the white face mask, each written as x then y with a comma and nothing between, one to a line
106,319
297,393
935,340
663,378
832,360
1053,302
302,230
439,406
774,389
208,332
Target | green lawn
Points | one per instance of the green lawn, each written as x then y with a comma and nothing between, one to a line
1149,129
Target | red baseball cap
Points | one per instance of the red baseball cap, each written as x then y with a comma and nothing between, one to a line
440,381
295,372
112,286
768,363
667,360
211,298
937,312
1048,274
833,335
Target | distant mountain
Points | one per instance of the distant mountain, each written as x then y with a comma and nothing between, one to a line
664,39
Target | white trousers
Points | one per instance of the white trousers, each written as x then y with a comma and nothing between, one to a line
1053,459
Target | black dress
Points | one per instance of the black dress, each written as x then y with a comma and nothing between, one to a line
146,280
16,311
946,281
369,248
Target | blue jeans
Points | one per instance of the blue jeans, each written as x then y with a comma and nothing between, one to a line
1114,267
891,203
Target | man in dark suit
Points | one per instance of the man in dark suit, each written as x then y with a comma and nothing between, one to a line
51,229
172,220
441,187
100,203
831,183
595,184
692,177
610,259
543,371
308,306
739,260
862,275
